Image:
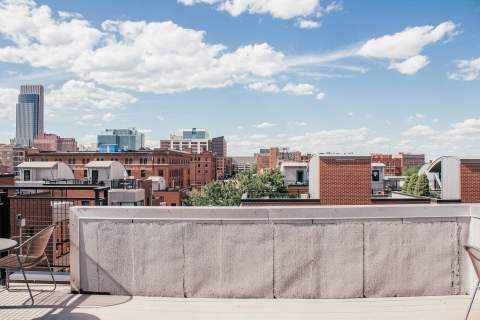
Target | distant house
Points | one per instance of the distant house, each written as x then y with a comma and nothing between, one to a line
104,172
40,171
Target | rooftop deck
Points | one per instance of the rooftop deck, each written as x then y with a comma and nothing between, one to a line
63,305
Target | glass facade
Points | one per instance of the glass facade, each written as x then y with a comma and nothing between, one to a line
29,117
194,133
125,139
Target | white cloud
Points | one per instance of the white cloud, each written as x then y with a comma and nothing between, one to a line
418,130
40,38
240,127
88,117
159,57
308,24
107,117
265,125
8,100
404,48
160,117
264,86
164,58
299,88
258,136
468,70
377,141
411,65
80,95
407,43
467,127
300,124
281,9
350,114
321,96
145,130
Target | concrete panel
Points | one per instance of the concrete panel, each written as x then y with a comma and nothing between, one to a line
410,259
158,259
463,259
115,257
203,260
247,261
88,256
308,259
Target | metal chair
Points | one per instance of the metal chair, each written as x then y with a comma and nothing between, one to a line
28,255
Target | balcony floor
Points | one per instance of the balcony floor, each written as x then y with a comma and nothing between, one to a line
63,305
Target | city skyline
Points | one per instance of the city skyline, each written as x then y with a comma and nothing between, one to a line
317,78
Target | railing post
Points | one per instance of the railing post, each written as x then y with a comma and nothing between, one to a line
4,225
4,215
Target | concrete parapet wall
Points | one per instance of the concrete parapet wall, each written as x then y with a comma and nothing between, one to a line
316,252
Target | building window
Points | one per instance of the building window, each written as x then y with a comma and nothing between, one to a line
26,175
160,172
143,174
129,173
85,174
300,176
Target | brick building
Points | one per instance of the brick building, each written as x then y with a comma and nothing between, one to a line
52,142
271,158
470,180
340,179
393,166
410,160
397,163
202,169
173,165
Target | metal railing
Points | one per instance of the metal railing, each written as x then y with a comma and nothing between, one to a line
27,211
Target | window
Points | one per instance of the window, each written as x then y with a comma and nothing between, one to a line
300,175
85,173
129,172
26,175
160,172
375,175
143,174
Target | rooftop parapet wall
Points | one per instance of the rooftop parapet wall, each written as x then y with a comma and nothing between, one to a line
272,252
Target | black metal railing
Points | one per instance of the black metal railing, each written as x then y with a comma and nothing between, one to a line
27,211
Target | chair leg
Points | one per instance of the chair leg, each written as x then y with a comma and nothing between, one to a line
473,299
7,284
50,269
25,277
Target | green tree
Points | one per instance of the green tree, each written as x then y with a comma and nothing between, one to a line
412,184
229,193
259,185
410,171
406,183
422,188
215,194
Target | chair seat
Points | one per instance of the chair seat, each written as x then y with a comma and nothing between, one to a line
11,261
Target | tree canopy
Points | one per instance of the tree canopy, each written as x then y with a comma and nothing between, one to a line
229,193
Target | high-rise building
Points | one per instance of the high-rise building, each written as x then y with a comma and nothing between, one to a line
29,114
194,133
120,140
219,146
189,145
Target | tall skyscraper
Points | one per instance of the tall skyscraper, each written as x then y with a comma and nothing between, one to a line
29,114
219,146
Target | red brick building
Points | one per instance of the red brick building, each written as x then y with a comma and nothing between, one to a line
393,166
202,169
52,142
271,158
470,180
396,164
340,179
173,165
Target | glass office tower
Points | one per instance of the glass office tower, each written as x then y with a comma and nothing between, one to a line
29,114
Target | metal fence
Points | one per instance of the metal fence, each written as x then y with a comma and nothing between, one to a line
28,212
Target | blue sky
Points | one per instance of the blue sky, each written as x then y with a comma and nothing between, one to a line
319,76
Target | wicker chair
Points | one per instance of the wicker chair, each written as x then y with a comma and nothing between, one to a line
28,255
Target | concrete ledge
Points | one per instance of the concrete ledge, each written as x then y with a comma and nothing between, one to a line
273,252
